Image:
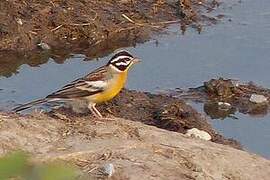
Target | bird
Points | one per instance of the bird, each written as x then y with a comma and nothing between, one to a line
99,86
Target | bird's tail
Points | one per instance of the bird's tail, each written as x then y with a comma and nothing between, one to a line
29,105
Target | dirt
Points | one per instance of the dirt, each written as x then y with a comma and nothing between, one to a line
132,147
89,23
156,110
90,27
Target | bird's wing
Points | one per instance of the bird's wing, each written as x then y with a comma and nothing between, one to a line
91,84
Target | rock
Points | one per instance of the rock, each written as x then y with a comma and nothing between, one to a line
220,87
108,169
224,106
44,46
194,132
257,98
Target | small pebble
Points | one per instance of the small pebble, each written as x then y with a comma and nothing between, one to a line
224,106
44,46
108,169
194,132
257,98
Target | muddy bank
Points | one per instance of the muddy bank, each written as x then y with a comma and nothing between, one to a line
132,147
90,22
90,27
156,110
133,22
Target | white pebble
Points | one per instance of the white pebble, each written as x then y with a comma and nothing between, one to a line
108,169
257,98
224,106
44,46
194,132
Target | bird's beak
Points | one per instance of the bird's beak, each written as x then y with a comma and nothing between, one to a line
136,60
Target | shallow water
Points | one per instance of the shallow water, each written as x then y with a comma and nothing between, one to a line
238,49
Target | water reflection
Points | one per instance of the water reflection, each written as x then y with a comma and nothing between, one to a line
213,110
11,61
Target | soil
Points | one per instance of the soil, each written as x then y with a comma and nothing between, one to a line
136,150
89,23
90,27
33,31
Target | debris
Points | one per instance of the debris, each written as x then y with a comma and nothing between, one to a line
60,116
194,132
19,21
257,98
220,87
56,28
44,46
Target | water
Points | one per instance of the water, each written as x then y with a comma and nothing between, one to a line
238,49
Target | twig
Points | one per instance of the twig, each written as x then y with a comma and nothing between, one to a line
96,43
155,25
82,24
168,22
91,170
127,18
58,27
33,32
71,24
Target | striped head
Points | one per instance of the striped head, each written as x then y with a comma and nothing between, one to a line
122,61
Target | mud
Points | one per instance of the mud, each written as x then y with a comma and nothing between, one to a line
61,23
156,110
90,27
236,94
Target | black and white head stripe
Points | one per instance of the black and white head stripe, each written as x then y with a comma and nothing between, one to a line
122,53
121,60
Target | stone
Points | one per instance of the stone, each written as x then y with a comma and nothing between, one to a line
44,46
194,132
257,98
224,106
108,169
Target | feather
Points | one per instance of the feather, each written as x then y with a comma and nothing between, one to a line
91,84
29,105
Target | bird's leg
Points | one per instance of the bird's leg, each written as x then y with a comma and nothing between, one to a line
94,111
97,114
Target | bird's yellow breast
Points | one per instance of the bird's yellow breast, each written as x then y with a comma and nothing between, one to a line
114,86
